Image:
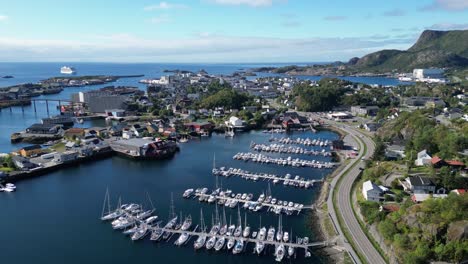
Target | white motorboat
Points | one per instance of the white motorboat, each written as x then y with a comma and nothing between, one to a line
290,251
187,193
259,246
67,70
151,219
286,237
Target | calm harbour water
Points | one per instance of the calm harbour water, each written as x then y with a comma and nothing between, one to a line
54,218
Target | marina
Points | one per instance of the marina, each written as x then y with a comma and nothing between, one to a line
289,161
135,222
278,148
287,180
246,200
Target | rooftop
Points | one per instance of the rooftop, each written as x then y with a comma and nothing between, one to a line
420,181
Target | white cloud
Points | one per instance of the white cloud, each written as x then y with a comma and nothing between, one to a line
448,26
205,48
3,18
164,6
160,19
252,3
449,5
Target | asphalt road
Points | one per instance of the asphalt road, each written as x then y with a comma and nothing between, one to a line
363,244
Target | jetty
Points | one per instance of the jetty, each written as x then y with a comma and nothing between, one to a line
289,161
280,148
232,200
287,180
302,141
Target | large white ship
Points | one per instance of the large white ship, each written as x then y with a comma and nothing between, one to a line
67,70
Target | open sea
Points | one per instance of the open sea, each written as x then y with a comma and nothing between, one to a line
55,218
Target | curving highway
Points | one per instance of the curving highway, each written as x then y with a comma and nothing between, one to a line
343,199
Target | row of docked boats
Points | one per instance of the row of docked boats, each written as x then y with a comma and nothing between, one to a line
289,161
245,200
287,180
280,148
302,141
9,187
275,131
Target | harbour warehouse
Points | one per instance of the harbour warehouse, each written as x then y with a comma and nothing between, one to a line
144,148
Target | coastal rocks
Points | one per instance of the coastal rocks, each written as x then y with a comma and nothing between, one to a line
457,231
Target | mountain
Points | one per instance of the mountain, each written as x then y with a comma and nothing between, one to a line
433,49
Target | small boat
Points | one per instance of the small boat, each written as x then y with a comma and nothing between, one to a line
246,232
151,219
144,215
140,233
290,251
271,234
238,247
279,252
211,242
259,246
187,193
182,239
220,243
187,223
156,234
131,230
200,242
231,242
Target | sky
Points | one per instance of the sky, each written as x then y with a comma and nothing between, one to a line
216,31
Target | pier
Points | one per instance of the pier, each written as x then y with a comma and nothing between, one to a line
302,141
286,180
228,199
289,161
279,148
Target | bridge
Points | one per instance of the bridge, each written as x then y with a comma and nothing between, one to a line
21,102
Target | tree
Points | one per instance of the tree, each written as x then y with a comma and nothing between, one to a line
387,229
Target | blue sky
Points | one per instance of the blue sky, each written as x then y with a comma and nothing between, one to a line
216,30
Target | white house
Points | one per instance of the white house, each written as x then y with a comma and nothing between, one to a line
423,159
235,122
371,191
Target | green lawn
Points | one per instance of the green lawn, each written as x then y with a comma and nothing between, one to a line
6,169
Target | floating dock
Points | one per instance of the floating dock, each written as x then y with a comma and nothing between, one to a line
229,199
287,180
280,148
289,161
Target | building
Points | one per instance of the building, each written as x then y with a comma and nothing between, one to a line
423,159
99,104
395,152
198,126
144,148
31,151
418,184
371,191
421,197
22,163
49,129
74,132
66,156
115,113
339,115
428,74
365,110
235,122
416,101
371,126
